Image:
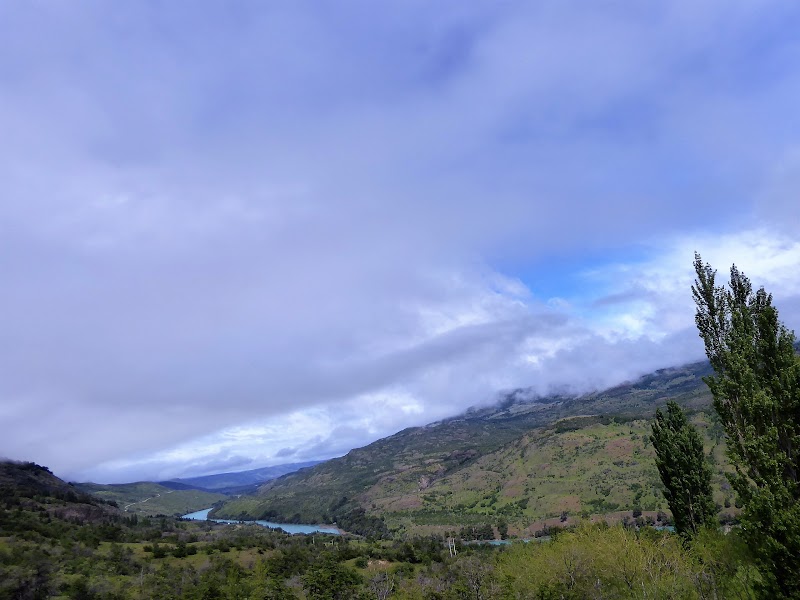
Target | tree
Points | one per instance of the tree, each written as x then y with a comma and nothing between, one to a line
330,580
756,389
684,470
381,585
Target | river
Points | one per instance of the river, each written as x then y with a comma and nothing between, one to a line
202,515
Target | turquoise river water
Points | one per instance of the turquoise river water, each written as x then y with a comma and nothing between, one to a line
202,515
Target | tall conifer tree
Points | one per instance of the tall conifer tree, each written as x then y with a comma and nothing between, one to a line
684,470
756,389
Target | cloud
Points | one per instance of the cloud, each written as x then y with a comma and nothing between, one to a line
590,344
228,231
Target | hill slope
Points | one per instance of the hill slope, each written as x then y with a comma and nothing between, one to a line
447,471
29,486
150,499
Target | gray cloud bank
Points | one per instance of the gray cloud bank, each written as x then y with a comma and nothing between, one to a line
213,215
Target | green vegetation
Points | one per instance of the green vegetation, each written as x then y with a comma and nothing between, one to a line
80,547
523,461
426,501
618,562
586,470
683,469
580,466
147,498
756,389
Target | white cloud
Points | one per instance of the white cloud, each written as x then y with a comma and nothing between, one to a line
659,286
643,323
235,220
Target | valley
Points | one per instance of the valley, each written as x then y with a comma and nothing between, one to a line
56,542
176,497
151,499
519,463
414,512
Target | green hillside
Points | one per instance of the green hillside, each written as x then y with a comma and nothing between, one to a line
56,542
29,486
580,466
522,460
147,498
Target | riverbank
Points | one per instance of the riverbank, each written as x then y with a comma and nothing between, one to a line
291,528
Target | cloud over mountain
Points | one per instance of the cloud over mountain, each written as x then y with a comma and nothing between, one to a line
271,230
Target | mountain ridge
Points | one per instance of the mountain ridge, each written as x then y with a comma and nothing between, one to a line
237,479
389,477
34,487
181,496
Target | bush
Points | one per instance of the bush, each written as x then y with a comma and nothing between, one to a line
594,561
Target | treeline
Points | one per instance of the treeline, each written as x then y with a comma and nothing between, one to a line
230,562
482,531
122,557
345,514
359,522
27,480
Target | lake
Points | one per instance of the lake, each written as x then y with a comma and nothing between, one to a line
202,515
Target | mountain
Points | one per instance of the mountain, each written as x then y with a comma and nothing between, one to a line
543,455
31,487
150,499
232,482
181,496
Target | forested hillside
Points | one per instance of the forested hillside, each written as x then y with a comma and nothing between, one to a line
521,461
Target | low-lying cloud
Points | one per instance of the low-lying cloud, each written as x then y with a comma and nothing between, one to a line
231,237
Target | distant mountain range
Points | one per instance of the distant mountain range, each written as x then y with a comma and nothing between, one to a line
181,496
236,482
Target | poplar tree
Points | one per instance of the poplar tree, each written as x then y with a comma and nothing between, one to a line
684,471
756,389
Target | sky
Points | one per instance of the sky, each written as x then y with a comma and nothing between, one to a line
238,234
